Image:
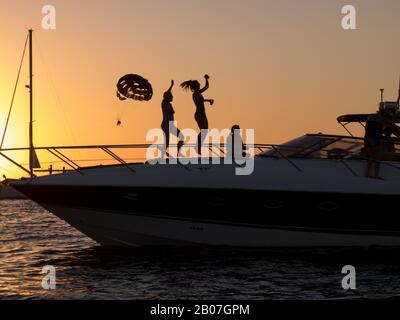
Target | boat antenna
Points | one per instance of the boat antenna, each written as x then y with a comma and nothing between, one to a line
382,91
31,150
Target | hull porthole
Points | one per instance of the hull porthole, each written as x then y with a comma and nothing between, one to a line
215,202
328,206
273,204
132,196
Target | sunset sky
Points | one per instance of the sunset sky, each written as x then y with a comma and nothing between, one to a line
282,67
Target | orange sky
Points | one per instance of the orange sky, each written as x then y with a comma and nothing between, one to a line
282,67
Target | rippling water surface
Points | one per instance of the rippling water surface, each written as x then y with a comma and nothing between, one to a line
31,238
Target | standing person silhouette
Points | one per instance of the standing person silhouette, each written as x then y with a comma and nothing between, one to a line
168,125
198,99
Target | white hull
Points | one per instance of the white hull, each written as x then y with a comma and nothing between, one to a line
113,229
327,203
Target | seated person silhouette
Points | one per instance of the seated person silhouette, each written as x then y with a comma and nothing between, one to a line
235,141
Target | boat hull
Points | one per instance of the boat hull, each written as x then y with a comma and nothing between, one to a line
118,229
325,204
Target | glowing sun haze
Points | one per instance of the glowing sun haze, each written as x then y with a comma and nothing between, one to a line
282,67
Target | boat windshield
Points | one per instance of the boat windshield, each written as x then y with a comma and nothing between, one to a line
318,146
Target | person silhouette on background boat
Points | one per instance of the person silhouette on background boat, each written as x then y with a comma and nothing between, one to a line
168,124
198,99
374,131
388,143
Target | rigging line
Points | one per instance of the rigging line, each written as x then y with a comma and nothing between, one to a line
54,91
52,86
15,90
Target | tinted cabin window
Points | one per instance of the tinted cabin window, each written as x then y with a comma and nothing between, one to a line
306,146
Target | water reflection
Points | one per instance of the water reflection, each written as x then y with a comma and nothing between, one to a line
31,238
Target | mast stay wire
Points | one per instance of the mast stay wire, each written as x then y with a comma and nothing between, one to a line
14,93
59,104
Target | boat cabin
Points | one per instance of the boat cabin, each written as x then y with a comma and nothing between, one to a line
320,146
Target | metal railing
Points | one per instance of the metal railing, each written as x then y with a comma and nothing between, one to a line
286,152
113,156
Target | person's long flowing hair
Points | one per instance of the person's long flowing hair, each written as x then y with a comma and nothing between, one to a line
190,85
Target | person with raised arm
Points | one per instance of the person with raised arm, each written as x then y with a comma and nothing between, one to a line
199,101
168,124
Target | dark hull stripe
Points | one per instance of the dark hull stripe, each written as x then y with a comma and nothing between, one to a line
334,212
259,226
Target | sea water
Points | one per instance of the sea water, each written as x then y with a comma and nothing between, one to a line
31,239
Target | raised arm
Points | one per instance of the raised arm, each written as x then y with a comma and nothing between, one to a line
172,85
207,77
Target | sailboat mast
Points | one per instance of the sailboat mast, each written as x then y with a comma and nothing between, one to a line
31,150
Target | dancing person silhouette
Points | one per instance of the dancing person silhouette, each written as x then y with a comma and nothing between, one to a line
168,125
198,99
